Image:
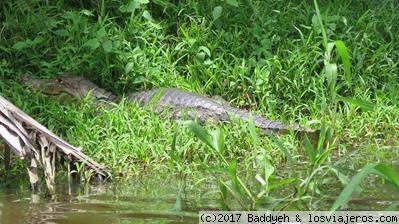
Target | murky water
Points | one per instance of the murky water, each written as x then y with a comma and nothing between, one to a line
156,201
111,203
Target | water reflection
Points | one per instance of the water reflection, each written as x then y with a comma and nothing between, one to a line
153,201
106,204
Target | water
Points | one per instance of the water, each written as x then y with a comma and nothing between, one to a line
144,200
90,210
112,203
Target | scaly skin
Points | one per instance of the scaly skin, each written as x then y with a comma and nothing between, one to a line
180,103
183,103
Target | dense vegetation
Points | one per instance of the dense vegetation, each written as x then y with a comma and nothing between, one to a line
332,67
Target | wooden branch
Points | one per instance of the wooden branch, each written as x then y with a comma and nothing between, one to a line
21,133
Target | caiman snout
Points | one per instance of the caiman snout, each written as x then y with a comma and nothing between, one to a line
46,86
67,84
30,81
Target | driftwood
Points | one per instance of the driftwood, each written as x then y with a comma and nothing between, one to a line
38,146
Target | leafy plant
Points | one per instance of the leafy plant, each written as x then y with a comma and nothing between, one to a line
384,171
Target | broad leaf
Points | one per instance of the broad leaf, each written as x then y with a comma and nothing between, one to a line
365,105
92,43
343,53
232,2
107,45
217,12
128,67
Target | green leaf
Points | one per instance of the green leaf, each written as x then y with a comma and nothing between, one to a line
223,195
201,133
22,45
134,4
129,67
284,149
385,171
351,187
232,2
268,168
233,192
342,177
116,44
107,45
252,132
343,53
174,154
87,12
388,173
236,186
218,138
321,138
165,4
365,105
320,22
61,32
331,73
393,207
101,33
205,50
217,12
92,43
38,40
174,140
147,16
310,151
329,49
200,56
322,156
178,204
281,183
316,24
139,79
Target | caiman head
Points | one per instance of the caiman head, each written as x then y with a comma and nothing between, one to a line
66,84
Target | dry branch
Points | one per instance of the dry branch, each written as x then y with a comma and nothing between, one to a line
23,134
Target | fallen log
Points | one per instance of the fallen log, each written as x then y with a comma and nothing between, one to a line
38,146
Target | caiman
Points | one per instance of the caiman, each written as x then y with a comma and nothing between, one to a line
179,103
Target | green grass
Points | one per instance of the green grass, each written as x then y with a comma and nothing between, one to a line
270,56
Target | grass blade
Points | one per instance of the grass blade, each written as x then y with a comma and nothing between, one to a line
283,148
394,207
365,105
343,53
385,171
252,132
351,187
323,31
309,150
201,133
218,140
388,173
